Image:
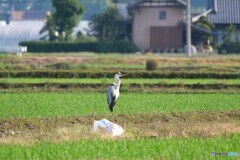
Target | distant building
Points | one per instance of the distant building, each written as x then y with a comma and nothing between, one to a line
223,13
23,22
158,24
17,31
25,26
19,25
27,30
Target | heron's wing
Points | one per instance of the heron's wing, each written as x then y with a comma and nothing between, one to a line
112,104
111,97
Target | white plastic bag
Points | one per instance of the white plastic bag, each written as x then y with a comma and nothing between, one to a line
111,128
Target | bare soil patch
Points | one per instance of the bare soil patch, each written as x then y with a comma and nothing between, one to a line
186,124
52,59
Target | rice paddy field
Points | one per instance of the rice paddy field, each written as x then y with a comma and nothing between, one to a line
144,148
24,105
163,118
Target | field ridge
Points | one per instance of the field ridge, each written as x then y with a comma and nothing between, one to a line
181,124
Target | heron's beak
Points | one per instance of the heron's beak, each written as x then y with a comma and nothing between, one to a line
122,75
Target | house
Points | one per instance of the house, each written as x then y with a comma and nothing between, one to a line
158,24
223,13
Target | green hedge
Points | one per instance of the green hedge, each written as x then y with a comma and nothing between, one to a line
125,87
231,47
109,74
98,47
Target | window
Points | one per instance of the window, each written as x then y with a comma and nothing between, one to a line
162,15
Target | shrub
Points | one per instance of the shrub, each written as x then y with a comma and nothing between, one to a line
231,47
151,65
109,74
98,47
60,65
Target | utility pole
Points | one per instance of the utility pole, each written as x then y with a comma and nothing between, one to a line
188,29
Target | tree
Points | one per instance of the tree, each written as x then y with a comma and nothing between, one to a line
94,7
203,37
50,27
230,34
66,16
110,25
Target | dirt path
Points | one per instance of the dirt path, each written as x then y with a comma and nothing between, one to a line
133,59
187,124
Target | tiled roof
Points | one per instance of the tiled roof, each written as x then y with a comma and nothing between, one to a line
155,3
35,15
126,1
28,15
226,12
17,15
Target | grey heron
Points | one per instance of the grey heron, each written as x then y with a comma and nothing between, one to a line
113,91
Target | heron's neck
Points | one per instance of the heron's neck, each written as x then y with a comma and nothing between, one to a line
118,83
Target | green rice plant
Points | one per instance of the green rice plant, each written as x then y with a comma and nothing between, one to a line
145,148
16,105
